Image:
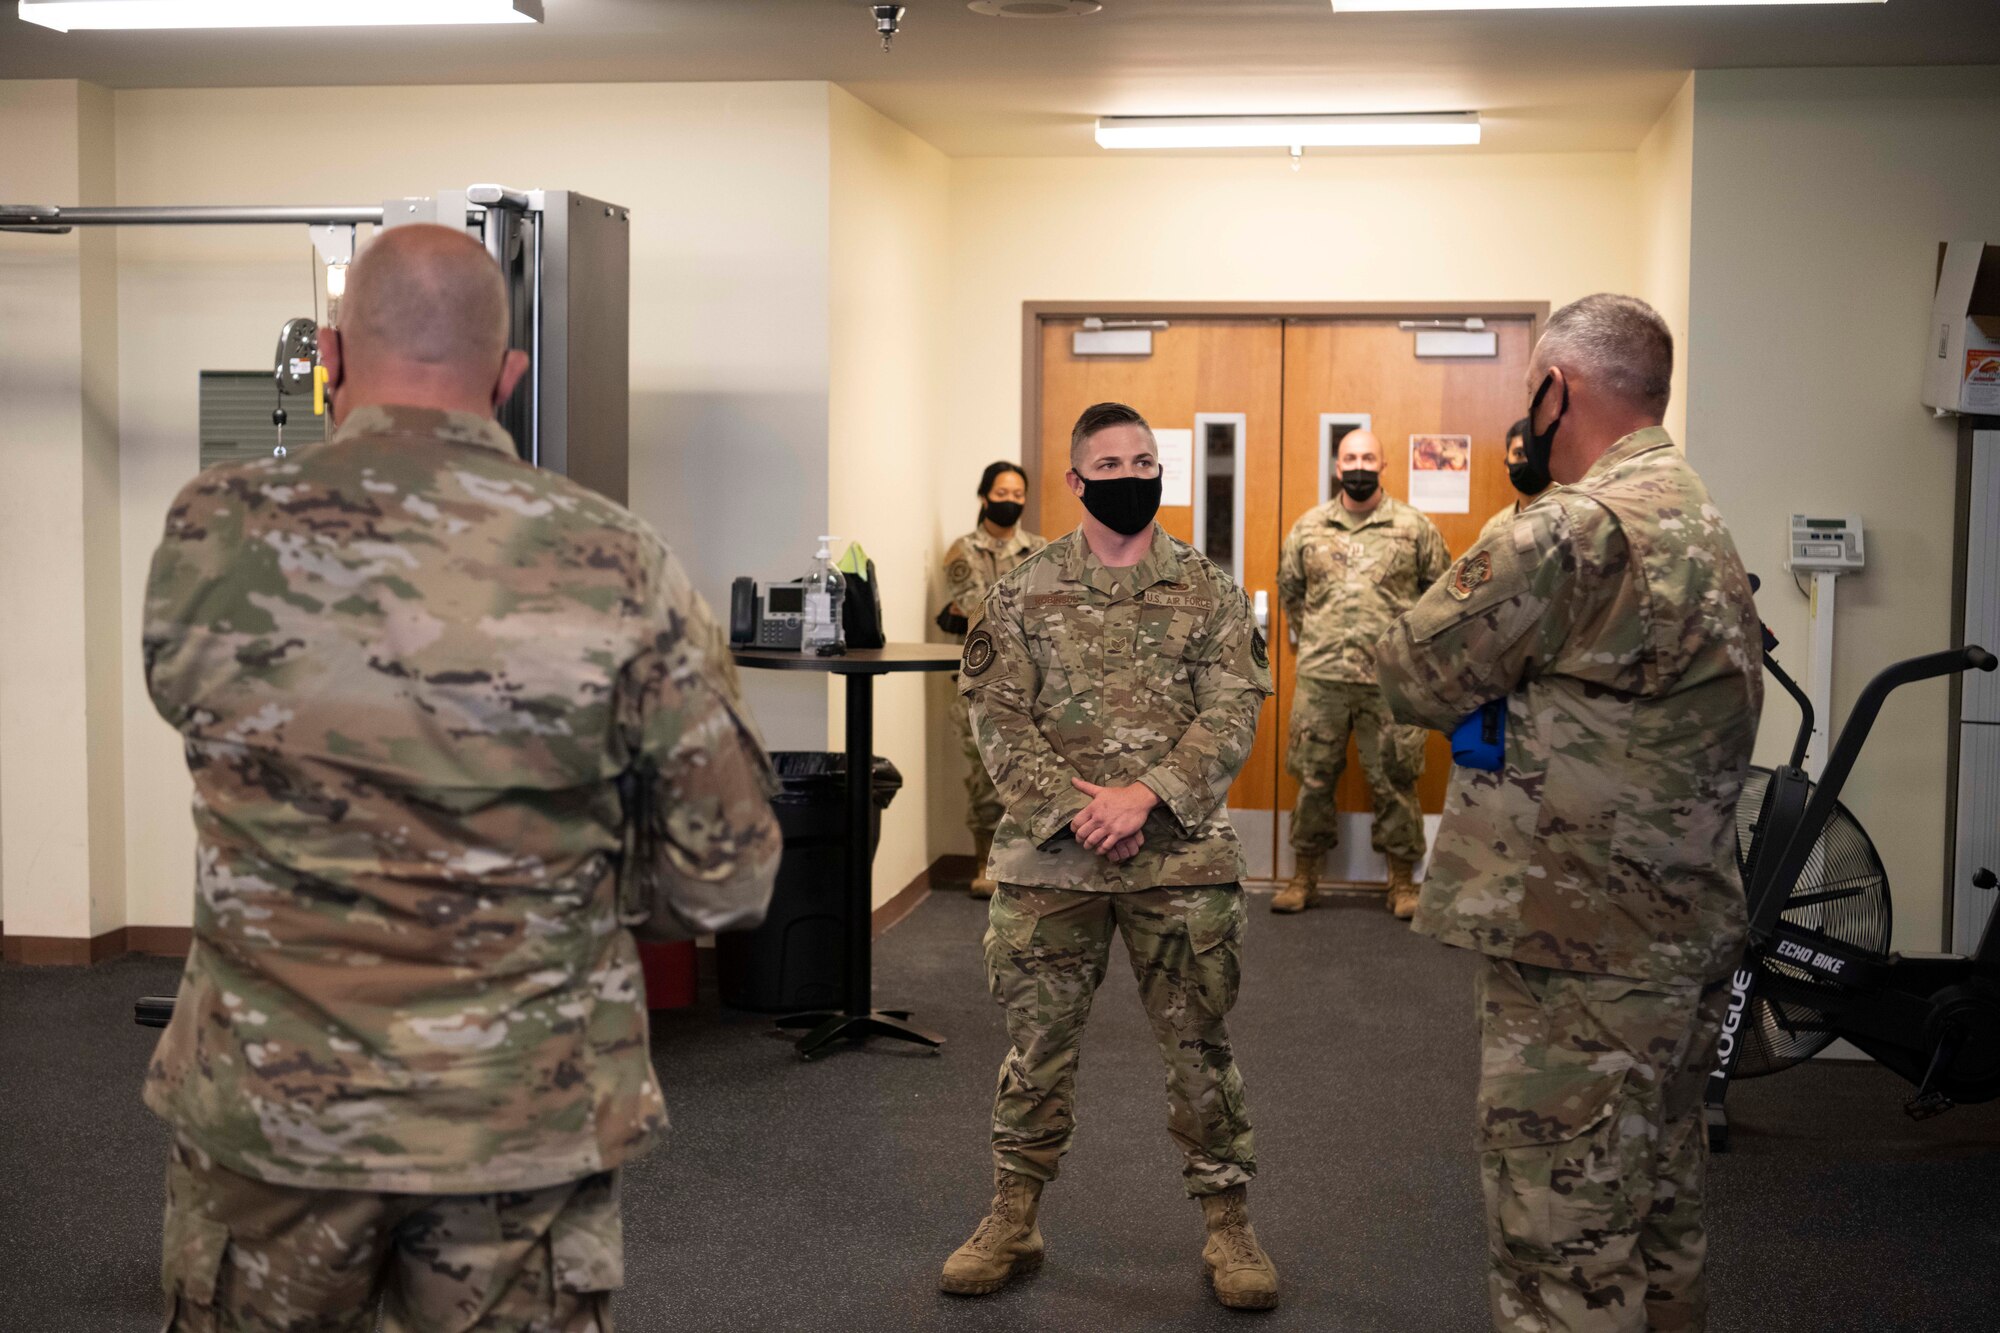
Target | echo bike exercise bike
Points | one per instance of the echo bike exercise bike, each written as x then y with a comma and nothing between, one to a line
1816,967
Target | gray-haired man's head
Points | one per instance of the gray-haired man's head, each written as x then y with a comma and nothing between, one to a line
1617,345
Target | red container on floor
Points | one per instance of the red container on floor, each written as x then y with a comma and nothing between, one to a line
669,969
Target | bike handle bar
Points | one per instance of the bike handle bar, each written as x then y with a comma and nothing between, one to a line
1847,747
1804,737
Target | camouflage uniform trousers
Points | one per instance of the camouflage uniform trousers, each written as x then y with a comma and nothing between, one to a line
1046,951
1324,714
1593,1148
245,1256
982,803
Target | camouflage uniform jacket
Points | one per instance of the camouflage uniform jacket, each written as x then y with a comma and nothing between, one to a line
429,696
1153,674
975,563
1504,519
1615,618
1343,578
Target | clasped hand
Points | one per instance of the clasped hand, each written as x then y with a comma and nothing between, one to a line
1110,824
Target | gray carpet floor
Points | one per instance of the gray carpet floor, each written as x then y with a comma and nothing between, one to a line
824,1196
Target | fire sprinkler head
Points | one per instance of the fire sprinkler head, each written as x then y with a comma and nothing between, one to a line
888,21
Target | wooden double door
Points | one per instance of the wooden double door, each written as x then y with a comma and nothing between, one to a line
1264,402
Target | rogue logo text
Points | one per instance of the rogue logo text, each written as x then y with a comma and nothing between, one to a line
1739,999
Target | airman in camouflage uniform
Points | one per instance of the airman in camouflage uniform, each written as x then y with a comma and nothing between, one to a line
454,724
1597,868
972,566
1343,578
1154,675
1528,488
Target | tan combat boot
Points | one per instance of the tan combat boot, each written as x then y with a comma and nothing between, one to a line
982,887
1402,889
1007,1241
1297,895
1243,1275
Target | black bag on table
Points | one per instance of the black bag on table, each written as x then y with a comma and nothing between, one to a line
861,610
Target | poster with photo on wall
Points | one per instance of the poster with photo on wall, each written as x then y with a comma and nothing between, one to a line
1441,473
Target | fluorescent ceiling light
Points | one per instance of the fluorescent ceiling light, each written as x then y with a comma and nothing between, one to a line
1287,131
1379,6
79,15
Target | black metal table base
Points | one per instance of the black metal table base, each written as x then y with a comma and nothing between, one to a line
857,1018
829,1029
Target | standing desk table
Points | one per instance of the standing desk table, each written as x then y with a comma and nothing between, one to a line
858,1019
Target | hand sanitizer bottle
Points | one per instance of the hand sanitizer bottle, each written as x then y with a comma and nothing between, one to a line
823,632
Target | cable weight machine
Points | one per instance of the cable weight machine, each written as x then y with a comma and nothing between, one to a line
567,262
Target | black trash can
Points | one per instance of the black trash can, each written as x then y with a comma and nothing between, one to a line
797,959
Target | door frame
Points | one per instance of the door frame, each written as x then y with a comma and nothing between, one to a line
1036,313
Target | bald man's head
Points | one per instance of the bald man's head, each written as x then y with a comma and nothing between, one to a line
429,295
424,324
1359,448
1358,466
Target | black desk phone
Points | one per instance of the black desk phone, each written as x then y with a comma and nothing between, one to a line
774,618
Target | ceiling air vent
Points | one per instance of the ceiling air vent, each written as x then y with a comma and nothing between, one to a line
1035,9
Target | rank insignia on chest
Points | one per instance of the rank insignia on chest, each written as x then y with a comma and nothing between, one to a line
1472,571
979,653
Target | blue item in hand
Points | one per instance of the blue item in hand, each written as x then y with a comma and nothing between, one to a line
1481,740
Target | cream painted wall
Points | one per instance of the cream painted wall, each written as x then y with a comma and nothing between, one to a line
1819,200
1344,228
728,187
888,223
61,835
1665,161
1360,227
104,606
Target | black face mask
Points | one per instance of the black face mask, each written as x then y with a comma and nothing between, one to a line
1539,445
1360,483
1123,504
1526,480
1002,513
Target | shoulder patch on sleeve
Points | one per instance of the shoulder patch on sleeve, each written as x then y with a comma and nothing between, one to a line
1260,650
959,570
979,653
1470,573
1485,576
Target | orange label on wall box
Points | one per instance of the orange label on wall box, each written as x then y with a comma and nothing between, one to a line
1982,367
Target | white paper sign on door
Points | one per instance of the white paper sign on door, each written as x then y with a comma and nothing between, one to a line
1441,473
1176,467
